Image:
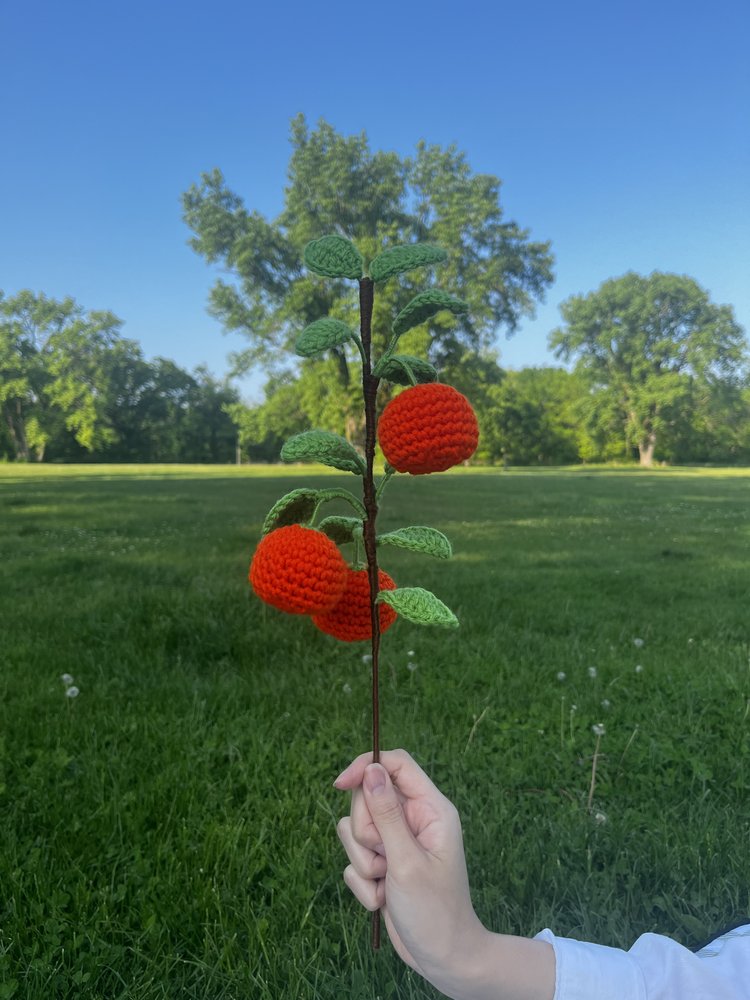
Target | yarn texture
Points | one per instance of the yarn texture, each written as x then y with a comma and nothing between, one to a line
428,428
298,570
398,259
350,619
334,257
425,305
419,606
323,446
321,335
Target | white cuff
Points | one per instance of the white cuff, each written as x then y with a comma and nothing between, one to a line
585,971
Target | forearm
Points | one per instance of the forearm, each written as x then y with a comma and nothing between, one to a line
502,967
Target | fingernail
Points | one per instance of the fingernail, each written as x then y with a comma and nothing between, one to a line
374,780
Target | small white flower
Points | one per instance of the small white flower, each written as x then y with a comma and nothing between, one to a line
574,708
347,689
410,653
591,672
561,675
66,679
412,666
691,641
600,818
367,658
72,692
638,668
598,729
638,643
606,704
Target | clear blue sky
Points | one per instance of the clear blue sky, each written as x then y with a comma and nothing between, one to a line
621,132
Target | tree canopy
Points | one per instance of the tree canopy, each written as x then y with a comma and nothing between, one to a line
71,388
650,348
337,184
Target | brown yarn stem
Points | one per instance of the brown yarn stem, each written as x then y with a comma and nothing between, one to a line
369,391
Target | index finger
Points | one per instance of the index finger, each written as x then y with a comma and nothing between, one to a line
405,773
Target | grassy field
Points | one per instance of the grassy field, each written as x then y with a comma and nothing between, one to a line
169,832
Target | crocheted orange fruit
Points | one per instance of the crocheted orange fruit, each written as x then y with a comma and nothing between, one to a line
299,570
350,619
428,428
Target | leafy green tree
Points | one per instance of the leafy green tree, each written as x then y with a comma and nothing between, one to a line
643,344
51,359
530,418
377,199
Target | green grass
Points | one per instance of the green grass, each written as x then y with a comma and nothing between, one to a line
170,832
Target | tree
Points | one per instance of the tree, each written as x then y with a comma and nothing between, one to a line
529,418
337,185
643,345
51,360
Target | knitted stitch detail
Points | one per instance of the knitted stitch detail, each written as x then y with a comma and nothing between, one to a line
298,570
399,367
322,335
419,606
322,446
425,305
334,257
341,529
428,428
350,620
419,538
398,259
292,508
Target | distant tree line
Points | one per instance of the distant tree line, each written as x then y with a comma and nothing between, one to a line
73,390
658,372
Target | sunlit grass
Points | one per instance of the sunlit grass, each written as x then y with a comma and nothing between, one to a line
169,832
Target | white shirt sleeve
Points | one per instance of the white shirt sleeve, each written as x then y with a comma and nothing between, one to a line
655,968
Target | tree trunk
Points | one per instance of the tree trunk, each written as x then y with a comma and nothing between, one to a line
17,429
646,450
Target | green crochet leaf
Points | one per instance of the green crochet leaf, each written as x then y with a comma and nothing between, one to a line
301,506
321,335
397,367
297,507
341,529
396,260
419,606
419,538
425,305
322,446
334,257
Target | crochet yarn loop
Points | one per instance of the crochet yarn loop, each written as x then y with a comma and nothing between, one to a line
404,369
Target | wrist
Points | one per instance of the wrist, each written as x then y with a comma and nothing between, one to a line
502,967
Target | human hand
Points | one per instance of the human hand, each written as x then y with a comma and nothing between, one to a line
405,847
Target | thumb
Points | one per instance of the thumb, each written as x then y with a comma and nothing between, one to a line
387,814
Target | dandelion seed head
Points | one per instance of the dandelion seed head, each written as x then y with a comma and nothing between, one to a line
638,668
72,692
591,672
412,666
66,679
638,643
606,703
347,689
561,675
574,708
367,658
600,818
598,729
410,653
